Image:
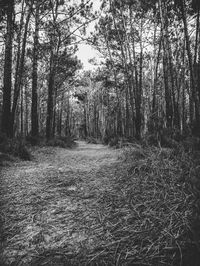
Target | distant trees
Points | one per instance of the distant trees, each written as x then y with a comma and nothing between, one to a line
7,76
152,51
148,83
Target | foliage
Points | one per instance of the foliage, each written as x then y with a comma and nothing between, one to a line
43,61
15,147
92,140
147,80
62,142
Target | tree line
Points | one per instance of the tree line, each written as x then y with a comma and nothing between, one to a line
150,78
148,82
39,42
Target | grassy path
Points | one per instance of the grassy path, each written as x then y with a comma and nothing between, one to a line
86,206
48,205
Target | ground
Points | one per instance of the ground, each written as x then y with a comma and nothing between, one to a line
93,205
48,204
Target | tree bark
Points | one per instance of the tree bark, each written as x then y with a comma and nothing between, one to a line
34,105
20,71
7,79
166,67
49,120
195,99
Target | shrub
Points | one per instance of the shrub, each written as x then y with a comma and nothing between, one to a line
15,147
62,142
33,140
92,140
114,142
105,140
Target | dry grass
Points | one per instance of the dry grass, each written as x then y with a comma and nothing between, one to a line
139,212
149,215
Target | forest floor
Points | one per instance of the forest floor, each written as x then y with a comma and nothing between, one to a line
75,207
49,203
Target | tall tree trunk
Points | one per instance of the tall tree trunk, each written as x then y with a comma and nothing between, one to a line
52,93
20,71
26,129
138,118
166,67
55,111
7,79
195,99
34,105
55,45
49,120
197,36
198,69
156,64
60,115
22,113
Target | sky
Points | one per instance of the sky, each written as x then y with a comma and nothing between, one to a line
86,51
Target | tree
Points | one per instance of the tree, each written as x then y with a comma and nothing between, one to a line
7,80
34,104
20,65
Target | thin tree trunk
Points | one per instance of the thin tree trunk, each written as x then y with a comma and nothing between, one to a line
22,113
49,120
195,99
7,79
26,129
34,105
138,119
155,103
197,37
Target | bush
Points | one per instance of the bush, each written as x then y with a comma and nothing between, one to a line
91,140
4,158
3,138
14,147
114,142
105,140
33,140
151,139
22,152
62,142
158,184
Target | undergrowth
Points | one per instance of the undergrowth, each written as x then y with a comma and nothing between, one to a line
148,216
19,147
151,216
14,147
93,140
62,142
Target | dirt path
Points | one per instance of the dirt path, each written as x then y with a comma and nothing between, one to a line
49,204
